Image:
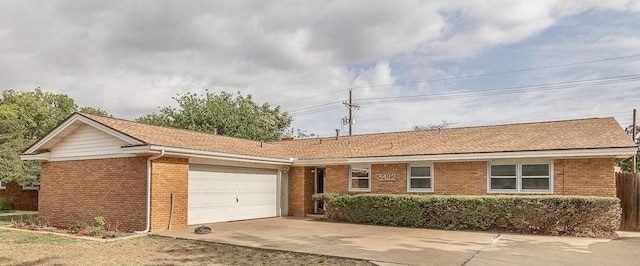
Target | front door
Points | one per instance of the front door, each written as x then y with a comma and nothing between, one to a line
319,205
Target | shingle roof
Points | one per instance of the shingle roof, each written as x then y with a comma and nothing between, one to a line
591,133
180,138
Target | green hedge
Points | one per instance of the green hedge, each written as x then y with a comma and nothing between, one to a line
551,215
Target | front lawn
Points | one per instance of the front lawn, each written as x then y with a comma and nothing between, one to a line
24,248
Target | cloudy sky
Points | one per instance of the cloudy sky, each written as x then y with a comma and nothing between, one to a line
409,62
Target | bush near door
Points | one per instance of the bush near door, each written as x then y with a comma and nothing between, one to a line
549,215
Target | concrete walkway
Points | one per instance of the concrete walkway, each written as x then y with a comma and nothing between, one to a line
410,246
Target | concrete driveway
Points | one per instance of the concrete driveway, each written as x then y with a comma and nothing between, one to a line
410,246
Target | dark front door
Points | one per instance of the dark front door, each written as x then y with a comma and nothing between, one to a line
319,189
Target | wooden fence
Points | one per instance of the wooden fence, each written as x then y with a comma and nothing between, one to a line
628,190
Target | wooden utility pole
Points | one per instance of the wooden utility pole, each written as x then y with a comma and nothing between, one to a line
633,137
350,105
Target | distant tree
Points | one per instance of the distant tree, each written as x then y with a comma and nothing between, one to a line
94,111
24,118
625,164
298,133
223,113
443,124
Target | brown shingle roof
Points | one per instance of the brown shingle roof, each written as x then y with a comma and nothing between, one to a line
591,133
180,138
561,135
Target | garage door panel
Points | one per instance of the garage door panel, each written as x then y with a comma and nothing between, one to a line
211,199
218,193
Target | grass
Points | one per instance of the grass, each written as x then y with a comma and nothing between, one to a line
7,216
18,249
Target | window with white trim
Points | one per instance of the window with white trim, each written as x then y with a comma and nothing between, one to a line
420,178
3,185
360,178
520,177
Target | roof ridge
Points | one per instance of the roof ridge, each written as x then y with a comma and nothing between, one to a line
451,128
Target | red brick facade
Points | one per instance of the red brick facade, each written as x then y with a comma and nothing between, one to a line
169,175
72,191
469,178
583,177
587,177
301,187
21,199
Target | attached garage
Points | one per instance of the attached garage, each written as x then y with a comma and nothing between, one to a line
223,193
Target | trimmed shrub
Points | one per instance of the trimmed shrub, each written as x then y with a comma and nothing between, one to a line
550,215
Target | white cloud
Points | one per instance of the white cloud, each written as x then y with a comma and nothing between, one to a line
131,57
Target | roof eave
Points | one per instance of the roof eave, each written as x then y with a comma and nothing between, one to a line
184,152
621,152
33,149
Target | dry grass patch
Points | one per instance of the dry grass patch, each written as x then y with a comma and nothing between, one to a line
23,248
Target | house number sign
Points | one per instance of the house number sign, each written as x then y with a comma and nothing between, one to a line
387,177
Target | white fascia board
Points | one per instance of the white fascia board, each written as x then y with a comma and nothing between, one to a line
73,119
609,152
154,149
35,157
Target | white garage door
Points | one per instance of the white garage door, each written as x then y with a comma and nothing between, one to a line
221,193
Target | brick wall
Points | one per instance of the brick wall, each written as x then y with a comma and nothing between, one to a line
169,175
586,177
296,191
469,178
72,191
301,187
336,179
389,186
24,200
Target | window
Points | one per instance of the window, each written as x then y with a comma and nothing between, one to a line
420,178
520,177
30,187
360,178
3,185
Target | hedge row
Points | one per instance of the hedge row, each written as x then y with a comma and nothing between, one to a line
550,215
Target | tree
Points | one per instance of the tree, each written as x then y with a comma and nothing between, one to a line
443,124
94,111
24,118
625,164
224,113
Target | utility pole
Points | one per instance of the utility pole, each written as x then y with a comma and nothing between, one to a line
350,105
633,137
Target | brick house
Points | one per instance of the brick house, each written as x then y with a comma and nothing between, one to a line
23,198
143,177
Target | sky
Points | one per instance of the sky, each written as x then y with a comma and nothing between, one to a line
409,63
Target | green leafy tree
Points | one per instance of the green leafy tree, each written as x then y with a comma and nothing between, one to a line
94,111
24,118
223,113
626,164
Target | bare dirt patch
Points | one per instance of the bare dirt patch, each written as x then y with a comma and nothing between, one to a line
24,248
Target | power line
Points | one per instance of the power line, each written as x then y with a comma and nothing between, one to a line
466,94
507,90
469,76
500,72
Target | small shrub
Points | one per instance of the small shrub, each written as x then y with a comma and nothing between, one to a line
32,222
98,226
6,204
78,227
112,231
